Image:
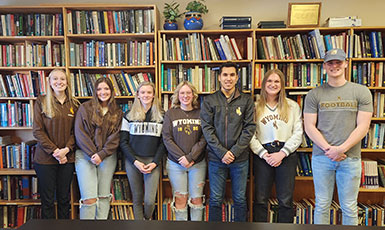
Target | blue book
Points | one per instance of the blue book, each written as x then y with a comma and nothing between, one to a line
328,42
124,76
132,82
220,50
373,44
359,73
304,164
181,49
380,45
320,44
4,114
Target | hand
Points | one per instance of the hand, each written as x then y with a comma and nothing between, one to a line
228,158
336,153
60,153
140,166
63,160
275,159
149,167
184,162
95,159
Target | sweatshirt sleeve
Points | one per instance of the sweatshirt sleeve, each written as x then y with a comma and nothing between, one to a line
112,141
82,132
159,152
71,139
248,130
39,131
295,139
207,119
257,147
125,146
168,139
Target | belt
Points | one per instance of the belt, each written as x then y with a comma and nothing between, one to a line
275,144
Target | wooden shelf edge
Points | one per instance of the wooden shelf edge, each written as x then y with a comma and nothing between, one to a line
16,172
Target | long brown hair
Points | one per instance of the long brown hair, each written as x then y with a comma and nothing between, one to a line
283,106
137,112
175,103
113,108
49,107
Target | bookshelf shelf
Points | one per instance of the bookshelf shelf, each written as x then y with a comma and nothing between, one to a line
288,60
205,62
15,128
382,190
20,202
112,67
18,98
115,36
16,172
12,39
368,59
27,68
378,118
115,202
206,32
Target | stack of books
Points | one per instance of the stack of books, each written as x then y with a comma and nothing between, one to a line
235,22
271,24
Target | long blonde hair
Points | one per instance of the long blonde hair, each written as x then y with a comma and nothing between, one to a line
113,109
175,103
137,112
49,107
283,106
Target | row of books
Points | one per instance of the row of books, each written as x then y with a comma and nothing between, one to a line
32,54
369,174
204,79
378,104
17,155
122,212
297,74
18,188
368,73
110,22
374,139
197,47
16,114
235,22
23,85
31,25
125,84
14,216
120,189
381,174
368,44
304,165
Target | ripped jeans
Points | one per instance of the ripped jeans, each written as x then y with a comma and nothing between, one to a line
188,181
94,182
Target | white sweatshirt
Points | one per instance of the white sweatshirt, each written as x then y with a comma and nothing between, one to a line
271,127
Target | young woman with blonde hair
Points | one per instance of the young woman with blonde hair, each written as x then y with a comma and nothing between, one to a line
53,123
278,135
186,164
142,145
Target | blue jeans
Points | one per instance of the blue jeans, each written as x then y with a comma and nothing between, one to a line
347,175
136,180
94,182
188,181
217,176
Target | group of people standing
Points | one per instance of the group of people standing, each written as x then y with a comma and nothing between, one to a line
226,127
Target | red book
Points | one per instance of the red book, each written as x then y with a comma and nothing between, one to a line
145,76
13,33
4,55
20,216
111,26
85,58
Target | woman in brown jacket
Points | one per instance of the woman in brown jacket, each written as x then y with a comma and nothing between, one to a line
97,128
53,122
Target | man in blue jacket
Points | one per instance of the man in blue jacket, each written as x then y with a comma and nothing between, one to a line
227,123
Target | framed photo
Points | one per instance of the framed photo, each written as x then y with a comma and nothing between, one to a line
304,14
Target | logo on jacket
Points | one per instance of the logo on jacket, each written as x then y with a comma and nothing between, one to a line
238,111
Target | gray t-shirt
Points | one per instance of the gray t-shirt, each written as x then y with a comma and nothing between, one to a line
337,109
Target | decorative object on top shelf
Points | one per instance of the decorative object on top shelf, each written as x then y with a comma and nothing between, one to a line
171,14
304,14
193,14
235,22
344,21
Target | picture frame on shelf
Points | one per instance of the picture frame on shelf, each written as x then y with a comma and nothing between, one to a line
304,14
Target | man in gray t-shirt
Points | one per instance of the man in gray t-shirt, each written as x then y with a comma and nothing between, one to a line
337,116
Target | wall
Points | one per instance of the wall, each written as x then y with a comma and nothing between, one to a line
369,10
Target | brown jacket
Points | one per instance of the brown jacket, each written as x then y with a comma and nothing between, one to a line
53,133
91,138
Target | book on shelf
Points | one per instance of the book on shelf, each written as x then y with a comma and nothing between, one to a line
271,24
23,85
369,174
235,19
235,26
110,21
374,139
122,212
31,24
17,155
16,114
304,165
368,73
12,216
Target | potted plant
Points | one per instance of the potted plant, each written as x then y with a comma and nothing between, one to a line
193,15
171,14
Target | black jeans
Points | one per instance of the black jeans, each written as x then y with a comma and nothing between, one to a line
53,178
284,178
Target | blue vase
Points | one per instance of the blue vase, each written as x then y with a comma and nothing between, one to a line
168,25
193,21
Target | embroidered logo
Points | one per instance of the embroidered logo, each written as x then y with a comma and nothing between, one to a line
187,130
72,111
238,111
